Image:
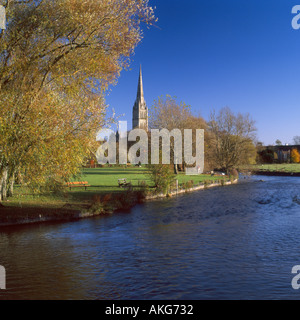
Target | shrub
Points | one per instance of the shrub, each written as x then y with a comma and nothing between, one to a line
142,191
97,204
266,156
233,173
189,185
162,176
97,207
51,185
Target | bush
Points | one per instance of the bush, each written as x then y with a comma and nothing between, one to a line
142,191
162,176
266,156
97,205
189,185
233,173
51,185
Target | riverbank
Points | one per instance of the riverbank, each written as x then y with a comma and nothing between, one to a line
275,173
192,189
281,170
102,205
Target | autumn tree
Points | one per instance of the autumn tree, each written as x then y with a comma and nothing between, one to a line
57,59
233,136
168,113
295,156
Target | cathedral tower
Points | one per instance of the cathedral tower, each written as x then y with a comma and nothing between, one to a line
140,110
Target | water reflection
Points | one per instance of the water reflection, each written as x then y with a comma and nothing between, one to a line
237,242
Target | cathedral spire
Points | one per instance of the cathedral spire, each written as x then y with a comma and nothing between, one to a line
140,91
140,110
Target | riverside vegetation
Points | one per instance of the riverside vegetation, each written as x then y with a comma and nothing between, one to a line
104,196
284,169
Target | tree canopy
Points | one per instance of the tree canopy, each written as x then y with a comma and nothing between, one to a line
167,113
57,59
233,136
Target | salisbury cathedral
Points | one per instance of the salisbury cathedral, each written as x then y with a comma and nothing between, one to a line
140,110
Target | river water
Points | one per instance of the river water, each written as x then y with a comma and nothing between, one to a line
234,242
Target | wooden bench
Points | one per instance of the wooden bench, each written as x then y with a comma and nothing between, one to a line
123,183
78,184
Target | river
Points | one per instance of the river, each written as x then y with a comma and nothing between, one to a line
235,242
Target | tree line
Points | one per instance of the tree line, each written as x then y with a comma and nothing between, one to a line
229,137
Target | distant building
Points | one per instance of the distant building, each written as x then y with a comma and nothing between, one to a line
282,154
140,110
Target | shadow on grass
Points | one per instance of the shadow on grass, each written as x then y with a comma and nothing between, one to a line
119,173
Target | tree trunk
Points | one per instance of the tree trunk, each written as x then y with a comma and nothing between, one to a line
10,189
175,169
3,184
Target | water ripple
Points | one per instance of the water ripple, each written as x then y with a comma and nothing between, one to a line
236,242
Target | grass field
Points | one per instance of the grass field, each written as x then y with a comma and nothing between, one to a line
106,179
284,167
101,180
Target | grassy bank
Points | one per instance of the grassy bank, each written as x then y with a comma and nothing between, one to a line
102,196
286,169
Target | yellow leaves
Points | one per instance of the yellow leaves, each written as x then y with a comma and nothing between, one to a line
57,58
295,156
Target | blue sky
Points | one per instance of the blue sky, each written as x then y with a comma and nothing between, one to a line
216,53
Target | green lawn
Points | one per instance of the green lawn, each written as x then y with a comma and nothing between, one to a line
102,181
106,179
284,167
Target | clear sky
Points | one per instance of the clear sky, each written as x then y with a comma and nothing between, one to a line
214,53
